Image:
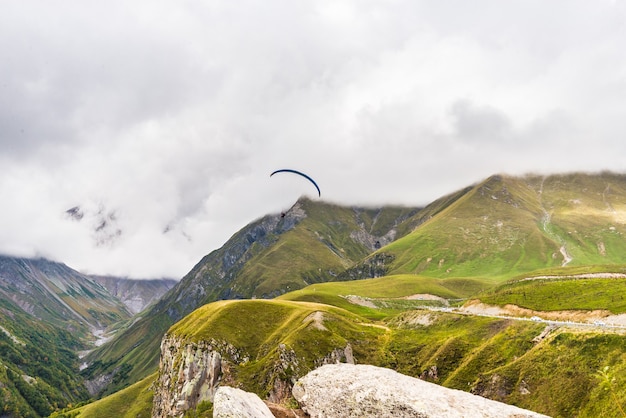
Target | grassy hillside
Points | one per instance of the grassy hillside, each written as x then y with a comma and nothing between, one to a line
133,402
564,289
59,295
313,242
563,373
265,333
276,322
586,214
506,226
468,244
329,239
389,294
560,376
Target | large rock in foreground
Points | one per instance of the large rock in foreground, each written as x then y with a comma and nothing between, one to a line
347,390
235,403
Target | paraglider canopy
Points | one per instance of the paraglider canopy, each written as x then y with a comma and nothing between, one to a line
287,170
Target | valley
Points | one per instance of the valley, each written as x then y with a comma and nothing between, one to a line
497,289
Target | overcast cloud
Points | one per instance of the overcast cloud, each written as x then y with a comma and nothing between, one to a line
160,121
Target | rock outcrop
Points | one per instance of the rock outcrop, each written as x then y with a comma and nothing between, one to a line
346,390
236,403
192,372
189,373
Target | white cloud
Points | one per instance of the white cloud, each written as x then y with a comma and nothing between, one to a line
167,118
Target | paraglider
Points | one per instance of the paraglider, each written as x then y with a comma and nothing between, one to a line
286,170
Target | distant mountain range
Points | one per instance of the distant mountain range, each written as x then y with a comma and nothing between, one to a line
49,312
135,294
56,294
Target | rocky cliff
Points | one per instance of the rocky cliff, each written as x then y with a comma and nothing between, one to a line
191,372
195,371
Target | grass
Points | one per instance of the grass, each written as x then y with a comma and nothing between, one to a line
562,294
470,243
133,402
508,226
387,293
323,238
493,357
260,330
267,322
560,377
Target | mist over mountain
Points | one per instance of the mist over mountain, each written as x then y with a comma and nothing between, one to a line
136,294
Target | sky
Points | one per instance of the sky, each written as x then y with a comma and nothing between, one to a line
157,123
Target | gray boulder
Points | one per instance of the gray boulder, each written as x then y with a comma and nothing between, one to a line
236,403
347,390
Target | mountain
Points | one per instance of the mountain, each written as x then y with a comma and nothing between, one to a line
312,242
266,346
506,226
39,370
136,294
48,313
505,240
58,295
477,237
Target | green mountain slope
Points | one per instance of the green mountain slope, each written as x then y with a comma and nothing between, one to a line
312,242
49,313
506,226
561,372
572,289
466,245
39,367
59,295
264,346
490,232
134,401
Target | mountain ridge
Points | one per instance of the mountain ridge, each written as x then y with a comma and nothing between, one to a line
491,230
458,247
505,215
271,255
50,315
57,294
